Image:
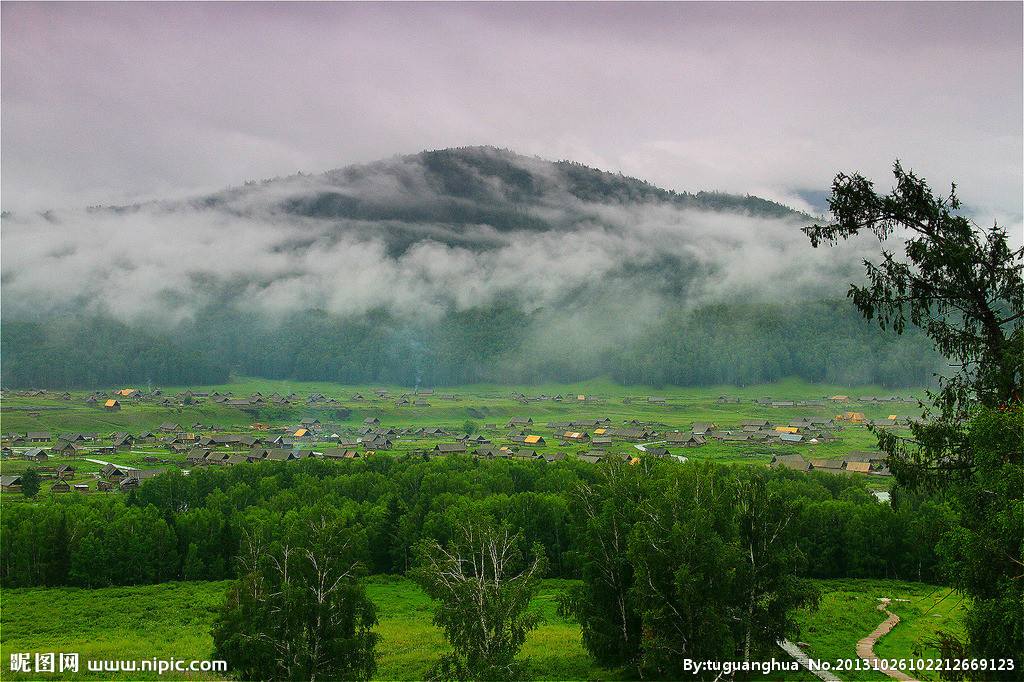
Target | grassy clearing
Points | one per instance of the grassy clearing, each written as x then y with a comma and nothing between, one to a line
849,611
174,620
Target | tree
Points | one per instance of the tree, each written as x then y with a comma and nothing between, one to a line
715,559
963,287
960,284
603,602
299,610
483,581
30,481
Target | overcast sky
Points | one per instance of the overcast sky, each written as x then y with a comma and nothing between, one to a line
107,103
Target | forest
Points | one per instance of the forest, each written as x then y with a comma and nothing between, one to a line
177,527
824,342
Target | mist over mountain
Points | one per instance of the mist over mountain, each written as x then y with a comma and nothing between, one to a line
470,264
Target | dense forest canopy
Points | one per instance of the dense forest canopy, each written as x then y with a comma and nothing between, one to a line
446,267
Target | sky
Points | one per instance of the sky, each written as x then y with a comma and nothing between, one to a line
111,103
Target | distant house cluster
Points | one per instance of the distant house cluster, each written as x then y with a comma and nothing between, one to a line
873,463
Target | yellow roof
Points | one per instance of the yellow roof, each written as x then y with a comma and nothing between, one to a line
581,397
300,433
634,460
892,417
600,432
126,391
110,403
787,429
532,439
840,397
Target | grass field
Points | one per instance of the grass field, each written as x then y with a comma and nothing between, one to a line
174,619
849,611
482,405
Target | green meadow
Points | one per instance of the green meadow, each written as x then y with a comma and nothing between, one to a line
487,407
174,620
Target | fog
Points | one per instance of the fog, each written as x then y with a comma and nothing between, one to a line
160,262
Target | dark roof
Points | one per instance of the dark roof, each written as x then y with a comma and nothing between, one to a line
795,462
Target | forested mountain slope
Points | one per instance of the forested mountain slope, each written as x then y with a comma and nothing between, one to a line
450,266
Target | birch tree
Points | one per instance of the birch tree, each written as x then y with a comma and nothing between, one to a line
299,610
483,581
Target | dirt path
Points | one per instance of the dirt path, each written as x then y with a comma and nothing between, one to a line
866,646
104,463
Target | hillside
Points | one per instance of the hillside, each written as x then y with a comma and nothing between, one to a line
451,266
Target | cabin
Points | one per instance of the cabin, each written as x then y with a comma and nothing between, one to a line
197,457
657,452
791,438
104,486
525,454
832,465
702,428
577,436
123,441
793,462
859,467
36,455
39,436
64,448
113,473
10,484
589,458
80,487
65,471
630,434
516,422
112,405
534,440
279,456
489,453
371,421
379,444
729,437
449,448
340,453
60,486
554,457
601,442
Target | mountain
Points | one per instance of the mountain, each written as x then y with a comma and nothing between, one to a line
448,266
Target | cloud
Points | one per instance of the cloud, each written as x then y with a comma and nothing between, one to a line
159,263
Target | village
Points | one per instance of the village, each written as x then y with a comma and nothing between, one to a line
828,434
